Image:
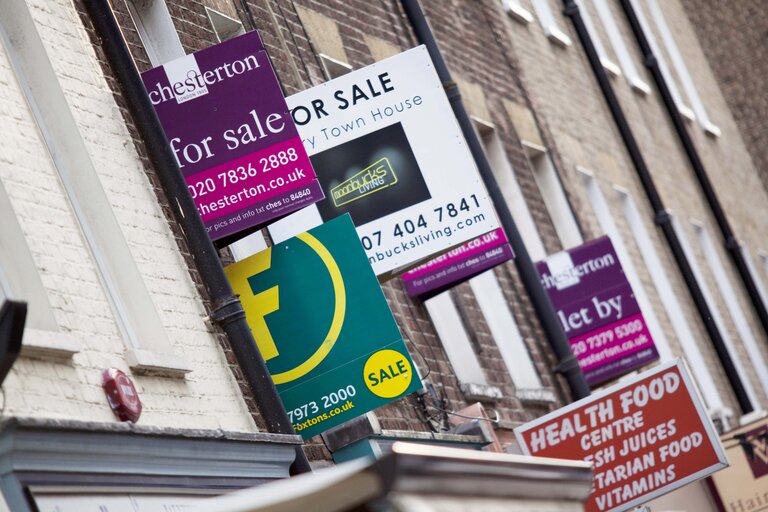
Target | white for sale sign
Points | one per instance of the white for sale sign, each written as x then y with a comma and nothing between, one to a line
387,149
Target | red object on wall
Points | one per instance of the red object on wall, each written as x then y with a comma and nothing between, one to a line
121,395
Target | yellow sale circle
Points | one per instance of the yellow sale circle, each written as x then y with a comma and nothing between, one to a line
387,373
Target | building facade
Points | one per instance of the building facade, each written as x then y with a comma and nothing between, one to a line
90,242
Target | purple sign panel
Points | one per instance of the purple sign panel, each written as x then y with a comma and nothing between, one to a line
233,137
597,310
459,264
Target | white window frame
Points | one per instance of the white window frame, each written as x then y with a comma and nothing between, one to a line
156,30
20,280
487,289
549,24
455,339
495,309
147,345
672,305
682,107
680,67
555,200
513,195
616,38
515,9
716,315
605,219
753,270
605,60
225,27
728,294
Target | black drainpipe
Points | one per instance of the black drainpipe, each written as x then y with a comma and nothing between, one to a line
567,364
732,245
227,311
662,217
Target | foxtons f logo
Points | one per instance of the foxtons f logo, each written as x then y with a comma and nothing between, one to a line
374,178
262,302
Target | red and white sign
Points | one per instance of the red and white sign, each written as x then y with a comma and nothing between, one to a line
645,437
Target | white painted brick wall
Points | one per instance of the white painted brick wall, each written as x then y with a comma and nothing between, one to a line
208,397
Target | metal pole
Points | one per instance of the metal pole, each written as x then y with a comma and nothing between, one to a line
227,311
567,364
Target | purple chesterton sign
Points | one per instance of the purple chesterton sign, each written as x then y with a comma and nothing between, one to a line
459,264
597,310
228,125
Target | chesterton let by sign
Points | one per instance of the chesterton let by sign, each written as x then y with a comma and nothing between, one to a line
646,437
228,125
598,311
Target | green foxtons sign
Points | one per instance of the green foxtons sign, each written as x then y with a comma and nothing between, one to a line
322,324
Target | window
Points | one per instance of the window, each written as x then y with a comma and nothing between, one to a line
503,327
450,329
156,30
716,316
665,71
622,52
505,177
753,270
148,347
605,60
732,304
224,26
487,289
548,23
671,305
552,192
678,61
605,218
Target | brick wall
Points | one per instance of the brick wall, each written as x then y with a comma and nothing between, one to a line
570,107
733,37
47,387
364,30
498,62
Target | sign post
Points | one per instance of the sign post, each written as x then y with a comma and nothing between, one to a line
324,327
223,112
645,437
597,310
387,150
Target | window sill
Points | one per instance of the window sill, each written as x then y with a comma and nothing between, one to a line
558,37
149,362
611,67
712,130
640,86
518,12
686,112
536,395
752,417
49,345
481,392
